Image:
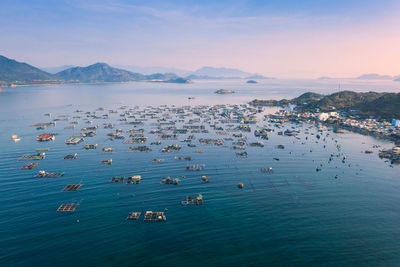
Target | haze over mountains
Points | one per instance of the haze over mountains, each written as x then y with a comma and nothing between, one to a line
13,72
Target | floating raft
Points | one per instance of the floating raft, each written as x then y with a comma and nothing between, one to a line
156,216
37,156
72,187
70,207
193,200
44,174
117,179
90,146
195,167
169,180
134,215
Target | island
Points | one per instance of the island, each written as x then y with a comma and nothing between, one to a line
224,91
251,81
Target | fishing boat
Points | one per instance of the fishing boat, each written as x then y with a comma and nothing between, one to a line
106,161
71,156
87,146
157,216
73,140
170,180
29,166
195,167
45,137
37,156
205,179
135,215
134,179
193,200
44,174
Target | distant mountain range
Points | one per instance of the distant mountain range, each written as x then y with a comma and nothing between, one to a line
375,76
222,73
202,73
16,73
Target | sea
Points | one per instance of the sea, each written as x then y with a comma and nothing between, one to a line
346,214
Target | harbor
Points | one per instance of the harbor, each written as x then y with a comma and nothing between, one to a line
282,171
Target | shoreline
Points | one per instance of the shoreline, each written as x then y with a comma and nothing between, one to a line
86,83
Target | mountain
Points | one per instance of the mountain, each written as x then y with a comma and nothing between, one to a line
12,71
54,70
99,72
102,72
257,76
221,72
153,69
374,76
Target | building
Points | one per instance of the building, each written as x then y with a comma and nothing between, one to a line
396,123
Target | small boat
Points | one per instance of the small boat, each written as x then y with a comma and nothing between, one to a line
29,166
134,179
205,179
107,161
44,174
71,156
240,185
193,200
170,180
107,150
45,137
42,149
87,146
37,156
134,215
73,140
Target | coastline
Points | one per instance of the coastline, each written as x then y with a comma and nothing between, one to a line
88,83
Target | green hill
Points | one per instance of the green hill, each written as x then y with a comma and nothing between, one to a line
380,105
12,71
99,72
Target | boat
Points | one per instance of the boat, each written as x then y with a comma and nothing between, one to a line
37,156
157,216
267,170
195,167
87,146
106,161
45,137
205,179
134,215
134,179
71,156
170,180
42,149
15,138
73,140
107,150
193,200
44,174
224,91
29,166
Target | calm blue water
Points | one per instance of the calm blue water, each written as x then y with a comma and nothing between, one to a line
293,217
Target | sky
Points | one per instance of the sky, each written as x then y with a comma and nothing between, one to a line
284,38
